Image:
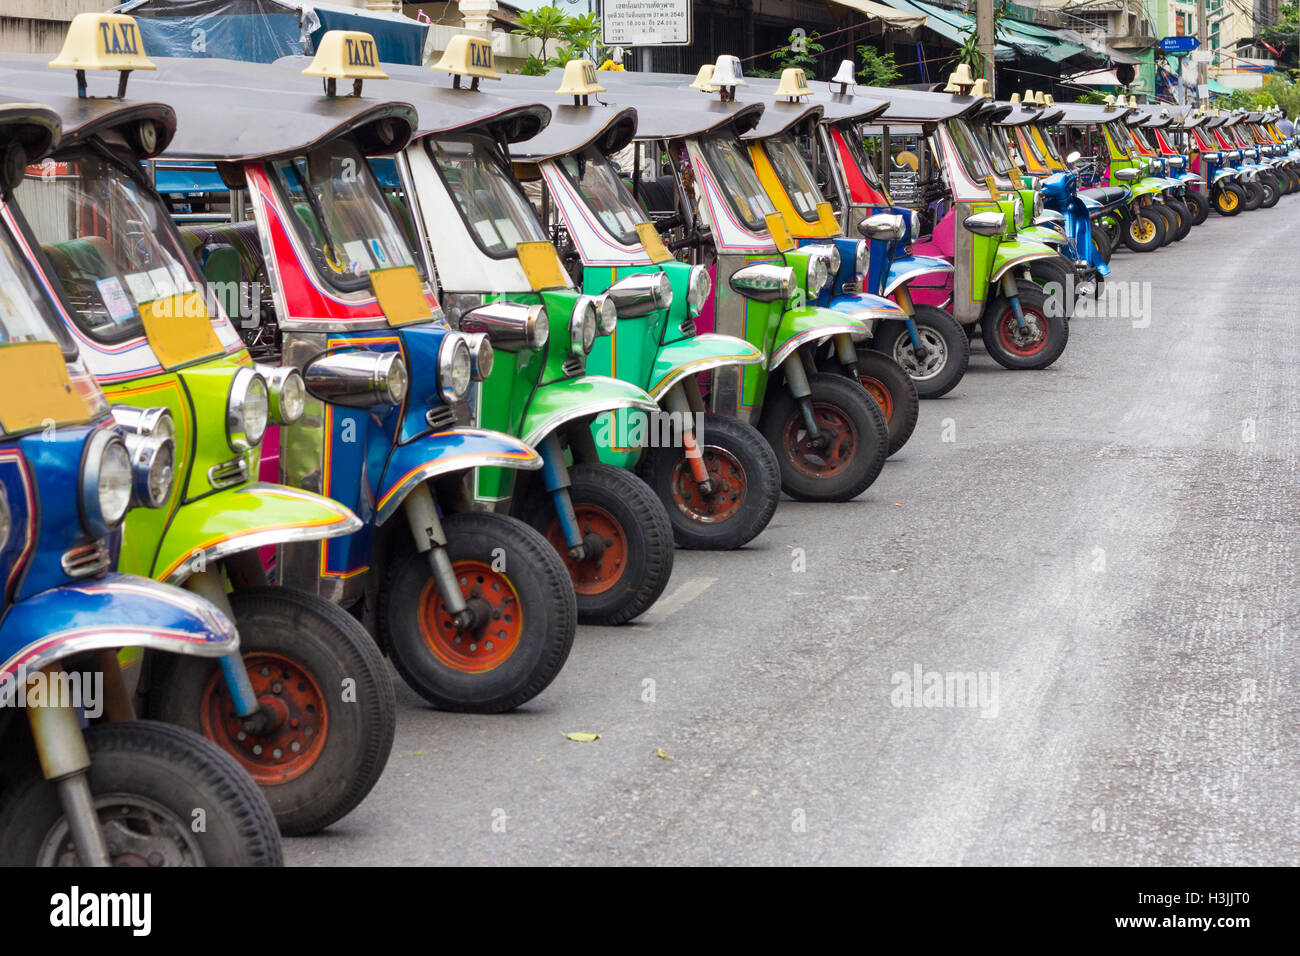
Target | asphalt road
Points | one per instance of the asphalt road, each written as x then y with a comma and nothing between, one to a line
1108,546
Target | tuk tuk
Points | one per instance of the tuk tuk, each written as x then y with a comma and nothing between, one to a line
1223,182
82,781
830,436
474,608
1160,130
136,303
720,485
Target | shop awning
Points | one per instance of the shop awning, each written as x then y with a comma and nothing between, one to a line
949,24
1094,78
1055,49
891,18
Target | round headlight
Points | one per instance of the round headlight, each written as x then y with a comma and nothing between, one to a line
916,224
482,355
861,256
609,311
834,261
154,460
539,329
1038,203
395,380
248,409
455,367
818,274
107,493
699,287
1019,207
582,326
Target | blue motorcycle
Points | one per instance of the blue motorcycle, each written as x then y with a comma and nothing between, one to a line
81,781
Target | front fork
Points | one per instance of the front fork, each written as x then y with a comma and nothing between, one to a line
796,378
1011,290
903,296
210,585
684,400
431,541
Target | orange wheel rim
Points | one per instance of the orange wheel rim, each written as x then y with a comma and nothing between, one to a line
876,389
831,458
729,482
487,646
295,700
593,575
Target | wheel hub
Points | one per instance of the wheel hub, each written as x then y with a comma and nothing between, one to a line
137,832
604,545
927,363
486,633
836,448
725,491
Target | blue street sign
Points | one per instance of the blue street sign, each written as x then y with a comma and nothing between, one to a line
1179,44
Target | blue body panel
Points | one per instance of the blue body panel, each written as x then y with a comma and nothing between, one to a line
1061,194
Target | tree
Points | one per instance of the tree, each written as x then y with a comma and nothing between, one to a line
544,24
801,51
1285,34
877,69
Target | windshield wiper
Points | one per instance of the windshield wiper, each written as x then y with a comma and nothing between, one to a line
318,211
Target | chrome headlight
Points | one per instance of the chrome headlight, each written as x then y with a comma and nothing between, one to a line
699,288
358,378
1127,175
287,390
481,356
582,326
883,226
106,483
248,410
608,320
833,255
1038,203
455,366
986,223
916,224
1018,209
510,325
861,256
764,283
818,275
641,294
151,442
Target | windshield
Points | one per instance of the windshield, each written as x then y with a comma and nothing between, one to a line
995,142
858,149
342,215
1045,144
1118,140
794,175
26,312
109,239
496,213
738,181
973,156
1141,139
594,178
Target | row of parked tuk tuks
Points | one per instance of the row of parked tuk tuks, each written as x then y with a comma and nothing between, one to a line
313,364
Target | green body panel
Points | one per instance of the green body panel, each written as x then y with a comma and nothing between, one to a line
1015,251
196,398
707,352
252,509
1040,234
806,321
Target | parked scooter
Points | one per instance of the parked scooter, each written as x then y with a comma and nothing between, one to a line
137,305
115,791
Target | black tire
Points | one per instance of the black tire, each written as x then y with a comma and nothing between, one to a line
747,482
1254,195
1182,218
999,313
1229,199
1144,231
1292,178
342,684
855,418
1102,241
1272,191
163,774
1170,220
1199,204
1056,279
886,382
947,349
441,669
618,502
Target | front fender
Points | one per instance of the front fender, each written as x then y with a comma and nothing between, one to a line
676,360
1145,188
442,452
1015,252
1042,234
804,326
240,519
908,268
112,612
584,397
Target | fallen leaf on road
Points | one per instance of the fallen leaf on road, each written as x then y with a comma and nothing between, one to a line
583,736
661,755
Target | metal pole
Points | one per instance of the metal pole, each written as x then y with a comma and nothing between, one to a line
1203,63
984,26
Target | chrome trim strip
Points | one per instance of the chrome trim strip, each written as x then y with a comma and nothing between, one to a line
819,334
258,539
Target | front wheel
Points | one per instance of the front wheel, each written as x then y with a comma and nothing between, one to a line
1020,349
524,617
946,346
1101,240
1182,217
1145,230
1272,191
746,486
1229,199
849,451
886,382
1199,205
152,783
627,537
1166,215
1254,195
1056,280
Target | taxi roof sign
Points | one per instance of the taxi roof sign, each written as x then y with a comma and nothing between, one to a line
794,83
346,55
468,56
102,41
579,79
704,79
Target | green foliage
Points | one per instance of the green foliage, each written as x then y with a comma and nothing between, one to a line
578,36
877,69
1092,96
800,51
1285,34
969,50
544,24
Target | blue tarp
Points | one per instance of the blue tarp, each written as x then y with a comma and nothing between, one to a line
262,31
